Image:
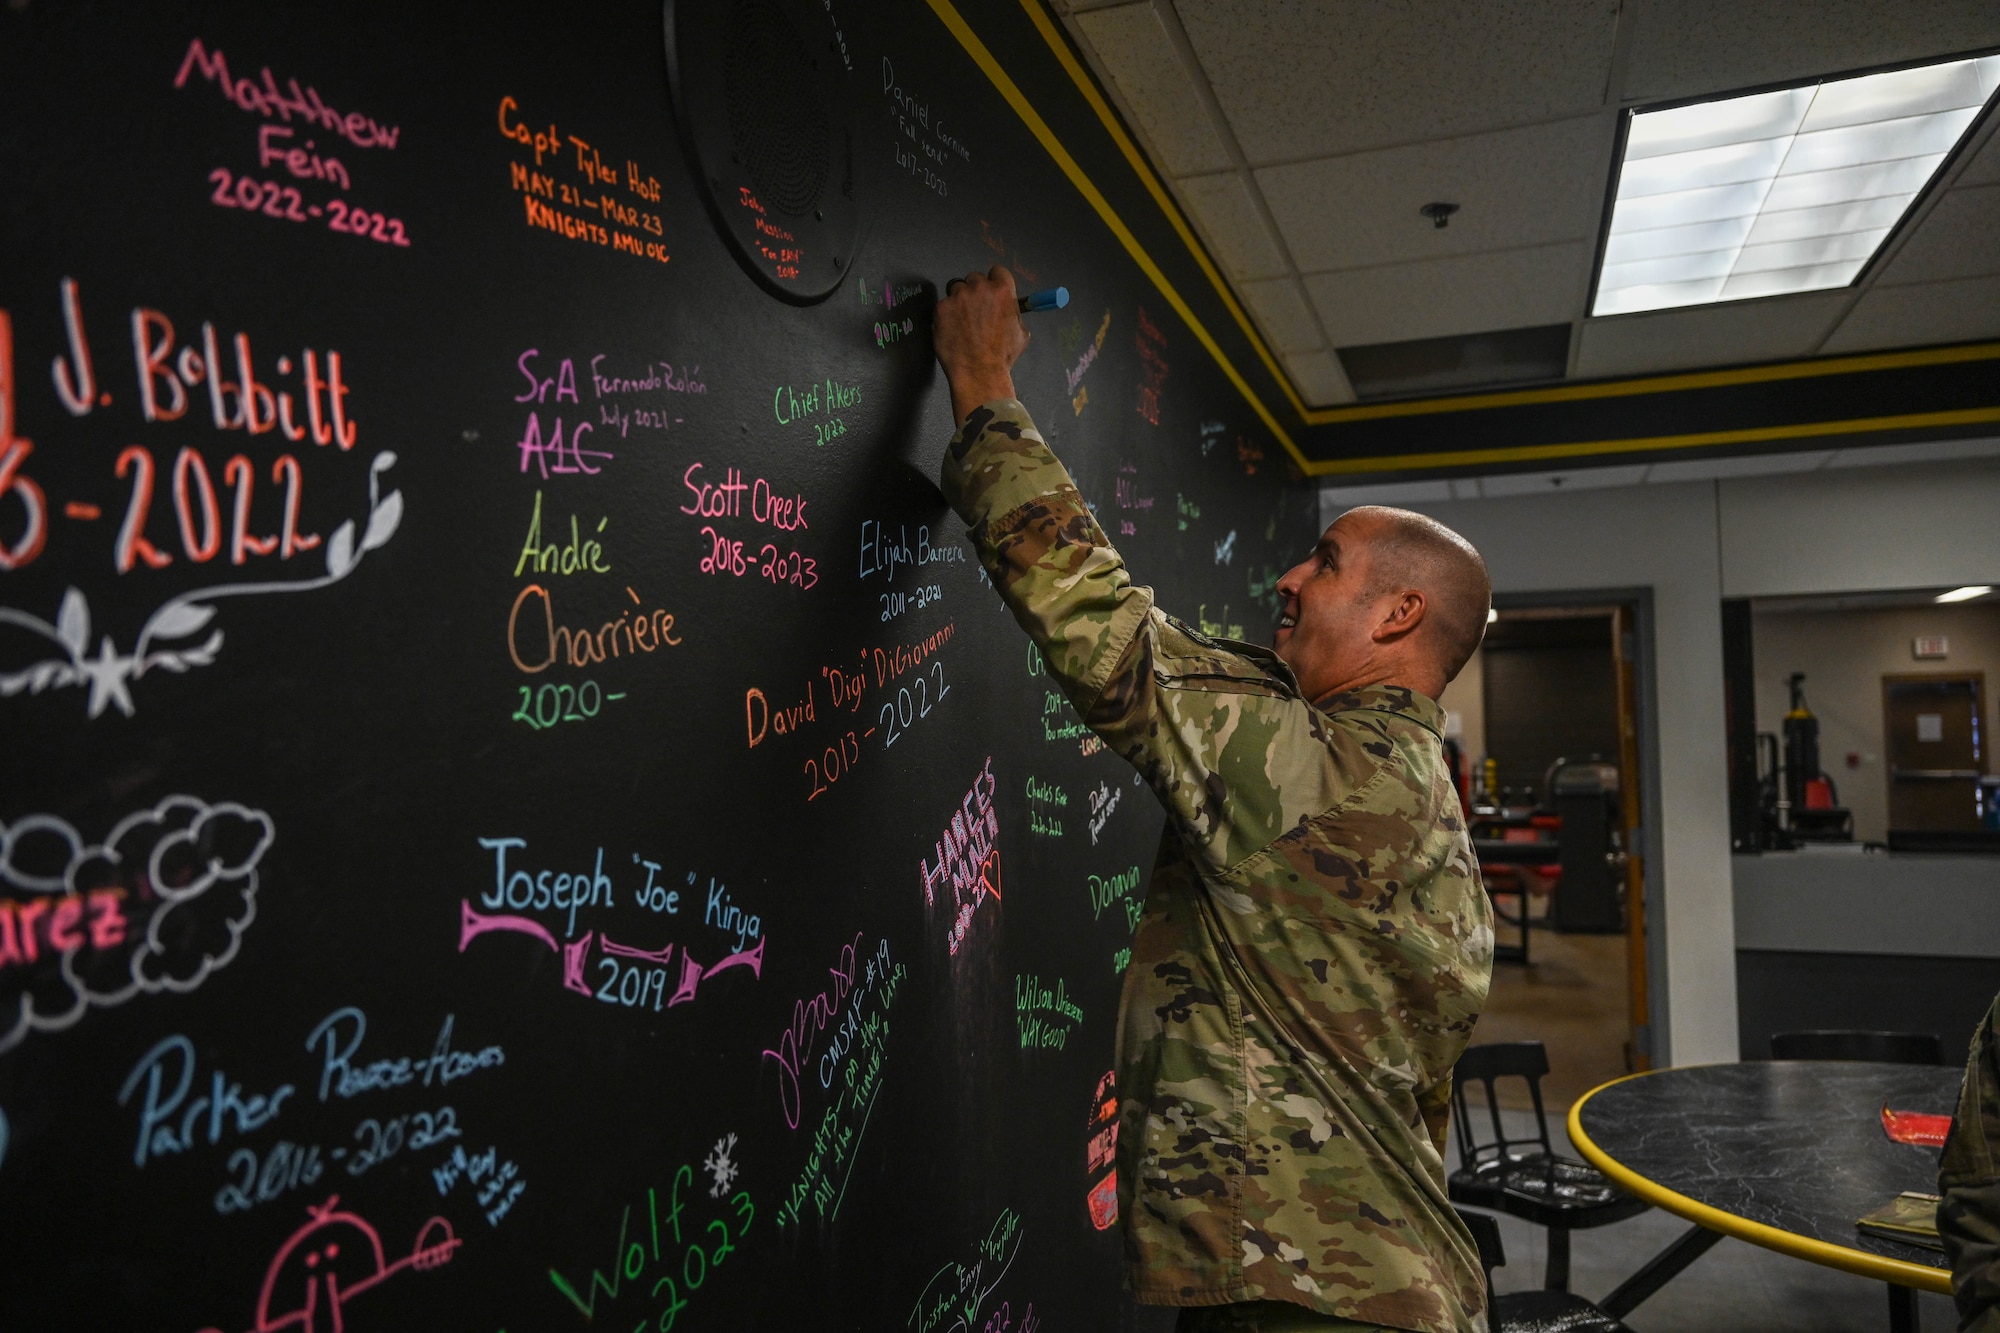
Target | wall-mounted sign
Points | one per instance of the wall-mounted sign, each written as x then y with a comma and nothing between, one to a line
1930,647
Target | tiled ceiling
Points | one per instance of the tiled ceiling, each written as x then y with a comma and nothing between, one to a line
1303,136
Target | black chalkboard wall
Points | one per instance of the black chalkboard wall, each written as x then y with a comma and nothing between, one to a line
520,809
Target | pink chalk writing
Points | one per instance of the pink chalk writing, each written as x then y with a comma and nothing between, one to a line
968,857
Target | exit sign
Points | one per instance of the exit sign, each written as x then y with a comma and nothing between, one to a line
1930,647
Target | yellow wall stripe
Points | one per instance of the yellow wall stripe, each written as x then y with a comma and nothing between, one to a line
1144,170
1900,1271
1760,434
1036,125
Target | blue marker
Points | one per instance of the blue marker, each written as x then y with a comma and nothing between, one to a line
1049,298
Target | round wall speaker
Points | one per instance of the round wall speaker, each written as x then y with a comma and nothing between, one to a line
762,95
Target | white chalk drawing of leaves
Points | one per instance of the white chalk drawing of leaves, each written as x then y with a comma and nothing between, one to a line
73,623
110,674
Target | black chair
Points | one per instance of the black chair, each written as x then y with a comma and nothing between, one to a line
1527,1177
1531,1311
1889,1048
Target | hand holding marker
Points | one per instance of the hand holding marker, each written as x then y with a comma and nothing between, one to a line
1049,298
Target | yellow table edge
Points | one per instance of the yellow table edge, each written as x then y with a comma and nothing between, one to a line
1899,1271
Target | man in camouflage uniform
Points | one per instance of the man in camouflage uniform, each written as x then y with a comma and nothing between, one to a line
1315,944
1969,1180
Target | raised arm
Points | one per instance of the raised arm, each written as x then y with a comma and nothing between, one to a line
1182,709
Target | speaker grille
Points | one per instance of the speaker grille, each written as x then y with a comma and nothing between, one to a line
775,127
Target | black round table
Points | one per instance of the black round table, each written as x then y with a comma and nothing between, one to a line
1782,1153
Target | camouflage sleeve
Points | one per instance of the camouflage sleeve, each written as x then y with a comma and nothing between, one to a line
1969,1181
1101,636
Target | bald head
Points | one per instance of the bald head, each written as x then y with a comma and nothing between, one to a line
1413,552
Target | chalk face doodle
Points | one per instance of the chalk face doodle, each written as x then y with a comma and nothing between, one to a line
332,1259
158,906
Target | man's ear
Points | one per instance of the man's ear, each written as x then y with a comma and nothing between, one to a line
1404,615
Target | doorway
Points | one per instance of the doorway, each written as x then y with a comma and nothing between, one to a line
1936,755
1552,715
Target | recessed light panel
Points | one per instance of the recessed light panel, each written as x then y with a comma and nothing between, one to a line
1787,191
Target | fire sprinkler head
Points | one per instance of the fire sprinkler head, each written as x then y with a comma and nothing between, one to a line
1439,213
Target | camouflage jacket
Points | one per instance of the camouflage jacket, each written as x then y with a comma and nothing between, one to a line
1969,1180
1315,944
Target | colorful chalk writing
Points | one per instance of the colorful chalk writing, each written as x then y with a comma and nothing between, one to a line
1131,504
724,496
852,1068
536,642
811,1017
165,382
496,1184
1225,550
968,859
288,149
1046,802
1084,363
884,555
1211,433
675,1251
1100,1153
620,204
1044,1017
336,1256
1122,890
155,909
1102,802
957,1292
794,404
1153,372
1224,628
616,973
1185,510
930,144
916,599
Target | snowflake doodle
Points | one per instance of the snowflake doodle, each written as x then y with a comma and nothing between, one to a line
721,1168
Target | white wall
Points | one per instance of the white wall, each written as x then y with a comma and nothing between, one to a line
1692,543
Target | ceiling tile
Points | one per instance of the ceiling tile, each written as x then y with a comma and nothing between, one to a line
1286,319
1514,188
1984,168
1734,333
1319,379
1157,87
1227,216
1461,294
1299,78
1921,314
1687,48
1960,238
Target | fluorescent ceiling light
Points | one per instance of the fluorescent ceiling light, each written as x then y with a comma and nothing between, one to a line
1965,594
1787,191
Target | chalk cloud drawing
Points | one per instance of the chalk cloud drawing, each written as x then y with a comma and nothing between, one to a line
110,674
181,878
332,1259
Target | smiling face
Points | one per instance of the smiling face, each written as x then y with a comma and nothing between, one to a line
1329,608
1388,597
